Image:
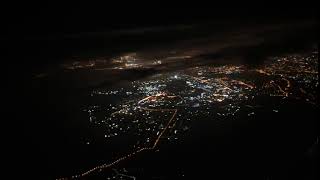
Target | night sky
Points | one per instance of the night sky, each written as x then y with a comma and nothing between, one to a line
47,18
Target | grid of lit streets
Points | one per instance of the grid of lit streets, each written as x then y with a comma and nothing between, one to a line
157,109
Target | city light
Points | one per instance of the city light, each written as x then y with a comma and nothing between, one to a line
160,108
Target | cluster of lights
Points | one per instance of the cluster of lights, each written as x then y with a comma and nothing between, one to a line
122,62
164,104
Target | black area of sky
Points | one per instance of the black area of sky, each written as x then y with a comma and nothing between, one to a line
48,18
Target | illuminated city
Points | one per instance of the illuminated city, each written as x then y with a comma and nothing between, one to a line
160,108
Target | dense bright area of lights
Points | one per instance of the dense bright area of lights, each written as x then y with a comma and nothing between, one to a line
161,107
